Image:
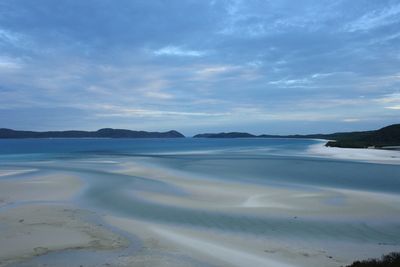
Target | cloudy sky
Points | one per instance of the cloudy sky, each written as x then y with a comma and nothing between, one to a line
263,66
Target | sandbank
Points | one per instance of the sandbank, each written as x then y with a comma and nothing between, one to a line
37,217
371,155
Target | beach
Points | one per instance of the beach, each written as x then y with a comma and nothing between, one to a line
196,207
37,217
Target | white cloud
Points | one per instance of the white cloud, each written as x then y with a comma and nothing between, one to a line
255,64
98,90
307,81
397,107
10,63
9,36
375,19
290,82
351,120
215,70
391,101
225,72
390,98
262,114
158,95
178,51
117,111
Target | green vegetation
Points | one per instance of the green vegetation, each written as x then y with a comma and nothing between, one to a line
387,136
390,260
102,133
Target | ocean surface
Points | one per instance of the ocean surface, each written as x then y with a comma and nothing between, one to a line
140,179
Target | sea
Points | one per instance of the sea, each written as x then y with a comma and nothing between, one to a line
141,179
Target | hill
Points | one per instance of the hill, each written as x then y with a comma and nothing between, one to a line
102,133
385,137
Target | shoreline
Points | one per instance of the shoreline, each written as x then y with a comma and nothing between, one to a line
370,155
39,218
45,223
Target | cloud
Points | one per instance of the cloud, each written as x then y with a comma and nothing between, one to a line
389,101
397,107
290,82
389,98
10,37
351,120
9,63
158,95
116,111
178,51
375,19
208,63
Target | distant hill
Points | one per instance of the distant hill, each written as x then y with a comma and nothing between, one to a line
102,133
387,136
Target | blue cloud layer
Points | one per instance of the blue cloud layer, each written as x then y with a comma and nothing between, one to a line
262,66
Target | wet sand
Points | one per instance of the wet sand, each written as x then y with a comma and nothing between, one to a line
37,217
43,222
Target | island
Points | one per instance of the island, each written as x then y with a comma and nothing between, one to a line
387,137
102,133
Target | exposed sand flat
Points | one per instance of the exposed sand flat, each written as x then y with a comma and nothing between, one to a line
233,249
33,230
155,251
232,256
164,240
241,198
43,188
325,203
222,222
356,154
29,230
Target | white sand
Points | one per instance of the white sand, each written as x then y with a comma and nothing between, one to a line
29,230
229,249
230,255
356,154
240,198
220,248
43,188
32,230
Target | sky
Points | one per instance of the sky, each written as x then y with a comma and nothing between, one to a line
260,66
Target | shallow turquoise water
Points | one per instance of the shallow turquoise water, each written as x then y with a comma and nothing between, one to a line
250,160
282,163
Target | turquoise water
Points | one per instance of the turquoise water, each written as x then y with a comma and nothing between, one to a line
280,163
250,160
